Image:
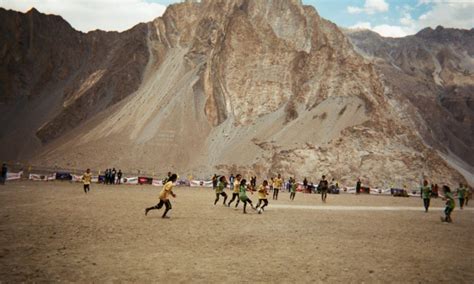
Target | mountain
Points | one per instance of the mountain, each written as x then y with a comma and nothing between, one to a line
258,87
53,78
431,76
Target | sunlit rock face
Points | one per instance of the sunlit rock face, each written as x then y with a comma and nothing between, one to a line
431,75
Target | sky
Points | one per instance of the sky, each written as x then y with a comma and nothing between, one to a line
393,18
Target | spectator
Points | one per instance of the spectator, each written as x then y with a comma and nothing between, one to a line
3,177
119,176
358,186
112,176
167,178
107,176
214,182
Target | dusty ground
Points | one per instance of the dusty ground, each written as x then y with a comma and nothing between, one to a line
54,232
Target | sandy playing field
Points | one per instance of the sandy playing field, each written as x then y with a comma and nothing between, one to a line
54,232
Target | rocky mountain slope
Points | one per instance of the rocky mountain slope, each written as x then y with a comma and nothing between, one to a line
251,86
53,78
431,75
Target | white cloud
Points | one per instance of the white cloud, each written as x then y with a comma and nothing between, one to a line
385,30
450,14
362,25
87,15
426,2
407,20
391,31
370,7
354,10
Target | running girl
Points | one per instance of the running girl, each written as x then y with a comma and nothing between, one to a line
426,194
450,204
277,183
220,190
86,179
235,193
323,186
262,195
243,195
164,196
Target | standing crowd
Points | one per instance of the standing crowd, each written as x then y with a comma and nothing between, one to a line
111,176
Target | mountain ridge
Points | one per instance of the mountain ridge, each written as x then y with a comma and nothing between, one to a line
237,85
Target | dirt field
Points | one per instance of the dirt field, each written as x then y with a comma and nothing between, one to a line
54,232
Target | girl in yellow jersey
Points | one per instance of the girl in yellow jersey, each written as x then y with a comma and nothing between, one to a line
262,195
86,179
220,190
235,193
164,196
277,183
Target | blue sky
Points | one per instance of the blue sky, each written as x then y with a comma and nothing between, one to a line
394,18
337,12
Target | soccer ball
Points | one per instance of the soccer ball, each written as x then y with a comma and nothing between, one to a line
259,210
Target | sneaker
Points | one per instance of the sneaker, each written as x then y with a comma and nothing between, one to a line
165,217
146,211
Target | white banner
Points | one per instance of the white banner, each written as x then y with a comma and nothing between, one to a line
76,178
38,177
14,176
380,191
350,190
200,183
130,180
157,182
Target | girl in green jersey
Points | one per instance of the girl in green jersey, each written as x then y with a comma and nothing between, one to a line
220,190
448,196
293,186
425,191
243,195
